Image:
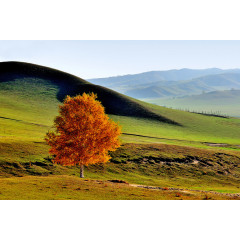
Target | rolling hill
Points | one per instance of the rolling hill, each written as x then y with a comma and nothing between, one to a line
67,84
166,84
222,102
30,95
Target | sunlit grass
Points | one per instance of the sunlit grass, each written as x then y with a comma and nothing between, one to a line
27,113
67,187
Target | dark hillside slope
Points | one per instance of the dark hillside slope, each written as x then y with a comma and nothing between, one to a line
67,84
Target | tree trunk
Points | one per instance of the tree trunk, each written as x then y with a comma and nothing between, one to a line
82,171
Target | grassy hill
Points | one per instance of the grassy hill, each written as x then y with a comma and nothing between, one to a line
222,102
33,102
30,94
19,75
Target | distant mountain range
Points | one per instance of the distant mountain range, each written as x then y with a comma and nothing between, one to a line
172,83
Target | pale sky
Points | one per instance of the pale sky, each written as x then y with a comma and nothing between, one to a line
93,59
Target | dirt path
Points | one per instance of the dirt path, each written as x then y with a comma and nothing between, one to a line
186,190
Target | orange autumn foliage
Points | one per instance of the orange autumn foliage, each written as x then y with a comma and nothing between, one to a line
84,133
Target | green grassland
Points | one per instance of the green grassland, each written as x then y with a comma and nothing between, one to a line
28,114
160,165
64,187
222,102
29,105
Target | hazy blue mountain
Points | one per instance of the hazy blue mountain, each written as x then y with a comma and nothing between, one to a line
155,76
158,84
225,81
160,90
220,81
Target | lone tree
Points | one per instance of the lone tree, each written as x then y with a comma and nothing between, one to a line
84,133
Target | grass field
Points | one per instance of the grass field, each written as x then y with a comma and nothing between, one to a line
222,102
148,164
28,107
69,188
